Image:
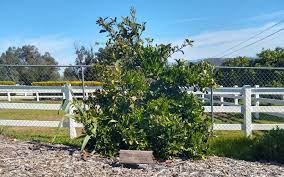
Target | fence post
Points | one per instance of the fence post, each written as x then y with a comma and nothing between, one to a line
247,110
212,98
236,100
256,115
9,96
37,97
69,97
222,98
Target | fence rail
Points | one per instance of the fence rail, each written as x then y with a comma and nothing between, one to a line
66,90
37,92
246,100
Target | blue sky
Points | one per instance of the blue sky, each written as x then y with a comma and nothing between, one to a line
57,26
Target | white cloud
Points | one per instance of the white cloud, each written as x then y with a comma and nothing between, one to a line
268,16
60,47
209,44
187,20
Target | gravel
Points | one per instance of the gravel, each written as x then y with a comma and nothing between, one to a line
35,159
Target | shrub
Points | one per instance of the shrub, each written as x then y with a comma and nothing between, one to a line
270,146
7,83
142,105
60,83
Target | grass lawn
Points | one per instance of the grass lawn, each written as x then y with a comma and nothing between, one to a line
231,144
237,118
234,144
42,134
30,114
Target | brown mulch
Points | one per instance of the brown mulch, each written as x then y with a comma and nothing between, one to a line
22,159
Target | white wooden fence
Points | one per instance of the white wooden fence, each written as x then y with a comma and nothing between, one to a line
243,98
37,93
67,92
246,100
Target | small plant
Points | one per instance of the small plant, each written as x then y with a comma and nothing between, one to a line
2,130
270,146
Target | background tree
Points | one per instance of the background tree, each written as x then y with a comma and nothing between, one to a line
270,58
84,56
229,77
71,74
240,77
28,55
87,56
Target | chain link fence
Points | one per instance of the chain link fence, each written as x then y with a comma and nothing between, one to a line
263,104
31,97
243,97
28,74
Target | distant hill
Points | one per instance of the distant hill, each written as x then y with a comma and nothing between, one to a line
215,61
219,61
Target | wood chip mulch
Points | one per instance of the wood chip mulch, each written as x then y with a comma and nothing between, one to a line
25,159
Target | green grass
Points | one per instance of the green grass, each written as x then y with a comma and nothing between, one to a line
228,118
30,114
41,134
231,144
268,119
234,144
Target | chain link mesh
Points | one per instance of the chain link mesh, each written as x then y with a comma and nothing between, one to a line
43,104
31,96
265,84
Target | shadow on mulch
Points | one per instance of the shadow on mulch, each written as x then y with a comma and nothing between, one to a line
37,145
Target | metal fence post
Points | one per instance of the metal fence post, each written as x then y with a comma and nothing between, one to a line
203,97
212,99
221,98
72,123
247,110
256,115
83,82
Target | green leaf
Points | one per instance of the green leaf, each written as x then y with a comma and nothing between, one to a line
113,121
85,142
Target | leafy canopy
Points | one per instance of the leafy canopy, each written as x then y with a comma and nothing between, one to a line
266,58
27,55
143,104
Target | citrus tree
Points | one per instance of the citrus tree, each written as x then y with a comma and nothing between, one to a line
143,104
